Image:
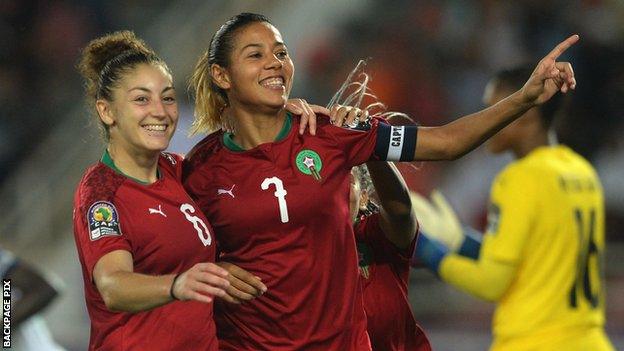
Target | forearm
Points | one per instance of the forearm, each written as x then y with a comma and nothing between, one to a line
134,292
484,278
461,136
398,217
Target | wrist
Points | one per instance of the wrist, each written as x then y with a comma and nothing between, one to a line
172,288
523,101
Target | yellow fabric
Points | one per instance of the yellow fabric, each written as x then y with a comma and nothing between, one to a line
486,279
546,219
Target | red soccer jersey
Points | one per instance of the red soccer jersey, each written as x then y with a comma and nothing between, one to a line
281,211
165,232
384,273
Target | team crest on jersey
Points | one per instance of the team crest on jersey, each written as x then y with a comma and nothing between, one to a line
309,162
103,220
365,258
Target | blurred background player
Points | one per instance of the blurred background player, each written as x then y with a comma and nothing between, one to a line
541,259
30,294
385,236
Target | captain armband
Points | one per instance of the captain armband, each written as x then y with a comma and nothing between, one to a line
396,143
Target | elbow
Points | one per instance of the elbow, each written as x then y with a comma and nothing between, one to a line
112,303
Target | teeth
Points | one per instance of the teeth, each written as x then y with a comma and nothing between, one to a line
155,127
273,82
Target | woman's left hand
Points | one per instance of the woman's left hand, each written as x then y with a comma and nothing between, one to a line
308,113
550,76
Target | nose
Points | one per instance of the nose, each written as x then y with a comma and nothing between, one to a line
274,62
158,109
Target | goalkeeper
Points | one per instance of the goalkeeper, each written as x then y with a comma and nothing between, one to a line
541,255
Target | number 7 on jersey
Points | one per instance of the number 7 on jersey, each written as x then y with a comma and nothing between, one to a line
280,194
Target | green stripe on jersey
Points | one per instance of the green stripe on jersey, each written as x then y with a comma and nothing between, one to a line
232,146
108,161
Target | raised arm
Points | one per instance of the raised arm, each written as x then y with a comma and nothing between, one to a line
459,137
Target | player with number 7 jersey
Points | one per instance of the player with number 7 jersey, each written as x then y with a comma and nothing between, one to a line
281,212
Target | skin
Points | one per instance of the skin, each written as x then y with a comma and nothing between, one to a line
398,219
144,98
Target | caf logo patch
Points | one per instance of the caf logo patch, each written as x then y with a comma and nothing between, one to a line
309,162
103,220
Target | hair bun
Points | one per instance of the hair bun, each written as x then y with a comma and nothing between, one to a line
103,49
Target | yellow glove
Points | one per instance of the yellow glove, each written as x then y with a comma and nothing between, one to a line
438,219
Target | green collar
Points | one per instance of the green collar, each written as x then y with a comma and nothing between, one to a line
108,161
232,146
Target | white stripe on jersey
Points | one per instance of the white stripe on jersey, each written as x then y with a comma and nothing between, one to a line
397,134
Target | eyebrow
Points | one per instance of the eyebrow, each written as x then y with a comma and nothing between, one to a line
149,91
255,45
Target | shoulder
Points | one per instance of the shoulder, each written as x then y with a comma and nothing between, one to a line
172,163
207,147
99,184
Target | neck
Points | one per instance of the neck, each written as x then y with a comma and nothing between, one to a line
255,128
141,165
530,143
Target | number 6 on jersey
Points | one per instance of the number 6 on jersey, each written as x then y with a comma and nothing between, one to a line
280,194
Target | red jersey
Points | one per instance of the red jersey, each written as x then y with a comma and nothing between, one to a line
281,211
384,273
165,232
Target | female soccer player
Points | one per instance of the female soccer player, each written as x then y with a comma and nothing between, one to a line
385,238
541,256
146,249
279,200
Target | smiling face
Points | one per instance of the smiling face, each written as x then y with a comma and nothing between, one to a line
143,113
260,71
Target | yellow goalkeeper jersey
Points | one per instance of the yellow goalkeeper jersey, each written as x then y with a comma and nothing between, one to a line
546,218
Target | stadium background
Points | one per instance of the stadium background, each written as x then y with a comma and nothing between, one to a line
430,59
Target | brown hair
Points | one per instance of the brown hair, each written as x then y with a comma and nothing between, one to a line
210,100
105,60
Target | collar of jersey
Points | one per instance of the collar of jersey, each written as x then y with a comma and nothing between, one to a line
108,161
232,146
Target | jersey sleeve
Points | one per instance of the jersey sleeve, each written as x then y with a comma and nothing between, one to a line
98,229
511,214
378,141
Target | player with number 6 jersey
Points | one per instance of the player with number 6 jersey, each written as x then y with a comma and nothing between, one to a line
165,232
146,250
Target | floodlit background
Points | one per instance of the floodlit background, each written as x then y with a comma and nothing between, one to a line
430,59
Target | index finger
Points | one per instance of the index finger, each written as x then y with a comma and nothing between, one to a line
563,46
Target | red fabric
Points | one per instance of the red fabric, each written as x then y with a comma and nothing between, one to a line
314,300
384,273
159,245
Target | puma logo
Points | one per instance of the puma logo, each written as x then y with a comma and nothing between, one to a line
158,211
229,192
